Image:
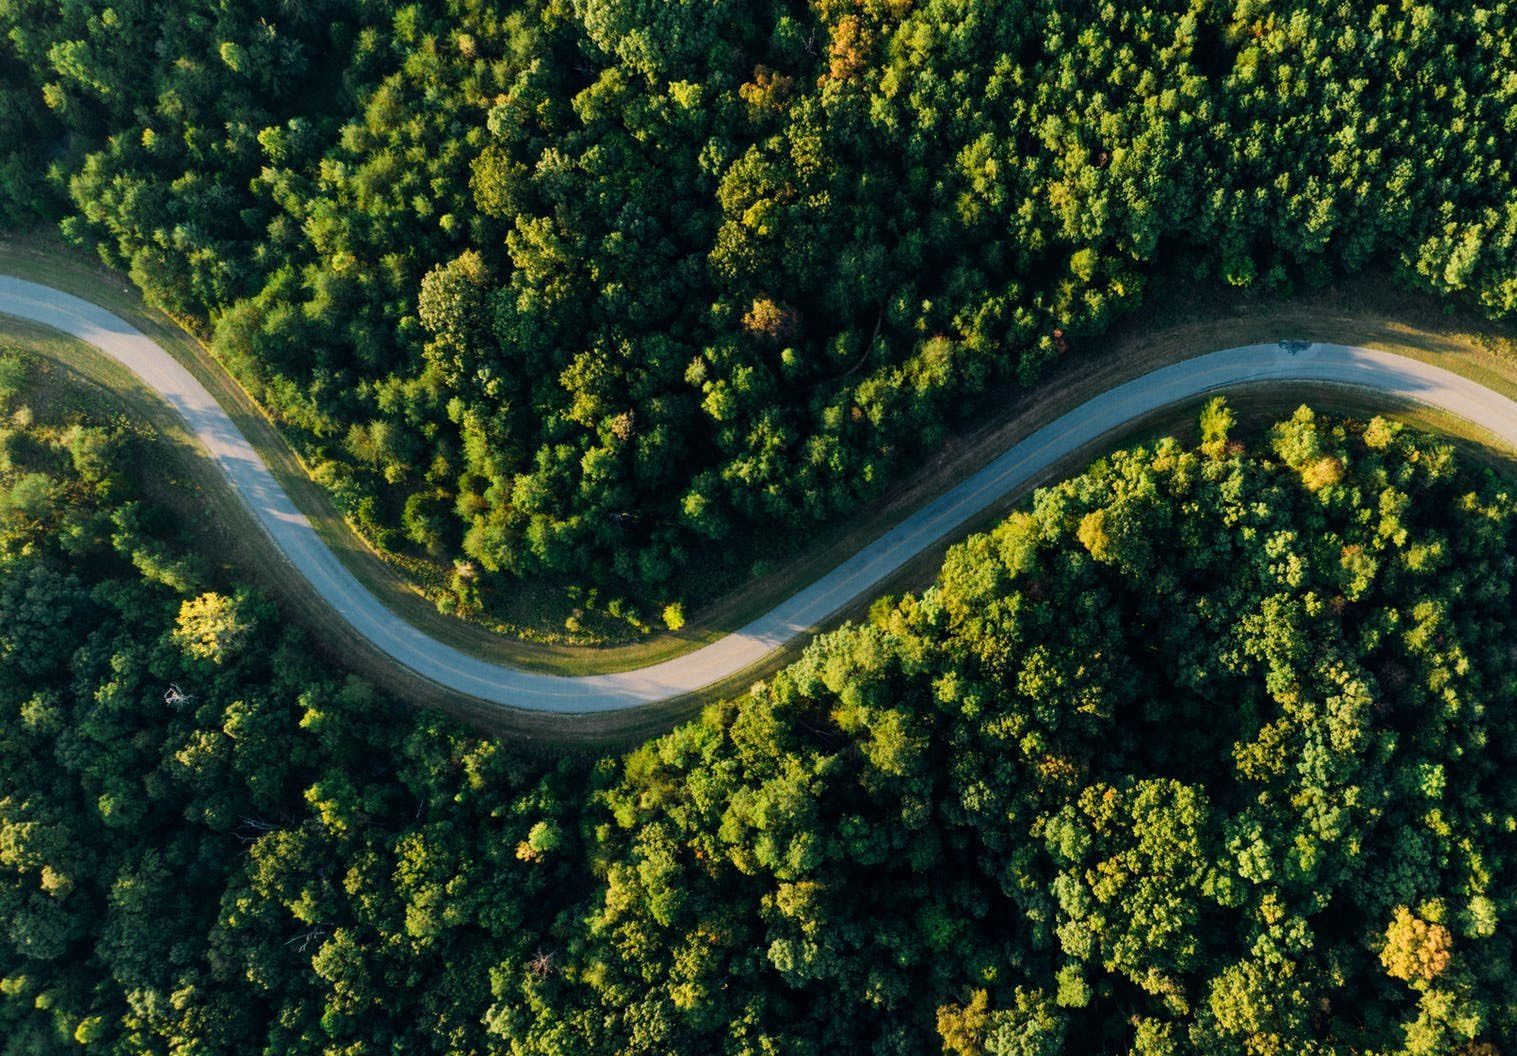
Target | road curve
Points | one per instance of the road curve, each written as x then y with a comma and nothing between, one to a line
293,534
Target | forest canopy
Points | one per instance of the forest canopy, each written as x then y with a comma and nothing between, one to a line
588,289
1092,791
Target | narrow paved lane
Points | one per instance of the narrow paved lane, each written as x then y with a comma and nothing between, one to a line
1380,371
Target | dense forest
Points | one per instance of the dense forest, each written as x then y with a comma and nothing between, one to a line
594,289
1088,793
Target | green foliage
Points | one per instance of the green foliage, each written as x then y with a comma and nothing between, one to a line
1217,421
211,626
210,840
1174,798
1414,948
1221,788
599,289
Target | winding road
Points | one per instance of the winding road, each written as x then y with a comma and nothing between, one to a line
295,537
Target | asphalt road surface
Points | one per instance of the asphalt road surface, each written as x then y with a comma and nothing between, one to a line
293,534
